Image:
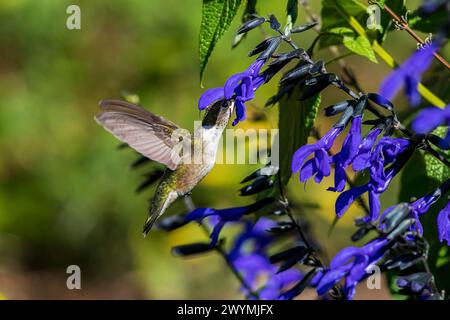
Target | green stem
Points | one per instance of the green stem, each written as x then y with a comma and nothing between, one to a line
343,56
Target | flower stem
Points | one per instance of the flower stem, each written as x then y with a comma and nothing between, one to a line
405,26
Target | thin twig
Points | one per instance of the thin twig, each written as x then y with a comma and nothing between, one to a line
405,26
296,225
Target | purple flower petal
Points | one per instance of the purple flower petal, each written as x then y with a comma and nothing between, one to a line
308,169
411,90
209,97
216,232
443,222
240,111
245,90
300,156
340,179
346,198
429,119
392,84
327,140
329,280
316,279
409,75
374,205
343,257
323,161
362,160
232,83
199,213
422,205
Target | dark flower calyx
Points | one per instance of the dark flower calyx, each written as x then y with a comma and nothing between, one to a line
381,101
316,84
337,108
172,223
345,117
259,184
274,23
393,217
304,27
251,24
266,48
192,249
296,74
360,106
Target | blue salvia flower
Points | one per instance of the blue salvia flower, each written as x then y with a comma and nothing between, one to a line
319,165
443,222
241,87
415,210
223,216
419,284
257,233
430,118
254,267
348,152
353,264
351,144
220,217
421,206
253,263
408,75
362,158
386,152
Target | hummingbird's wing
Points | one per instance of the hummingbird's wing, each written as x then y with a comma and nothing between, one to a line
147,133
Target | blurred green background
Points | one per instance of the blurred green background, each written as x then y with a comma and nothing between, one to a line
66,191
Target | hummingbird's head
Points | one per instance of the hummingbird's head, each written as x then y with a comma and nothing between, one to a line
218,114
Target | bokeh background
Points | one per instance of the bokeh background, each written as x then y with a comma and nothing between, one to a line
67,194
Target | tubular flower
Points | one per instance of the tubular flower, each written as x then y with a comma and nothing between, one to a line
408,75
386,152
443,222
348,152
241,87
319,166
430,118
353,264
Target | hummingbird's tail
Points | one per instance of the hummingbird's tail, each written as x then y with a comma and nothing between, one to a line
159,206
149,224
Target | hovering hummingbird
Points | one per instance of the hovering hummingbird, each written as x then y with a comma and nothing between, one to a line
155,138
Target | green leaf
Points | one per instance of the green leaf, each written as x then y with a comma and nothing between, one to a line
292,10
216,18
332,19
435,169
295,120
342,31
334,36
250,9
380,3
360,45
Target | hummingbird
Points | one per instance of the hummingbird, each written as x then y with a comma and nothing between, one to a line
158,139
